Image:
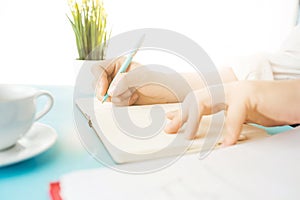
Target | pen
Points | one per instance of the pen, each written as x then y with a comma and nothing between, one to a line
127,62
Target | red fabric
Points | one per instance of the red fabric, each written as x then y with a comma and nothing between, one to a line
55,191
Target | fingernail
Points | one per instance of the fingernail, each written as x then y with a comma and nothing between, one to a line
167,128
172,123
168,124
224,144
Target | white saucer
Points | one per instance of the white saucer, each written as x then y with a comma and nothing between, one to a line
38,139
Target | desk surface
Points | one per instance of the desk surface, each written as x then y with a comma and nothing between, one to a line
30,179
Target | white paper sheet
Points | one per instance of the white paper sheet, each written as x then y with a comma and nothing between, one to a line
265,169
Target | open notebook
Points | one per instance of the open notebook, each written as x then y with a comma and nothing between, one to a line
125,145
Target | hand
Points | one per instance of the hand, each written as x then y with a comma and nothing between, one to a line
152,84
140,93
105,73
268,103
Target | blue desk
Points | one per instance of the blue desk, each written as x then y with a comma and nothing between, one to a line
30,179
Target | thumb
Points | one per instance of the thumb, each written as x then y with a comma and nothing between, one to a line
118,85
132,79
235,118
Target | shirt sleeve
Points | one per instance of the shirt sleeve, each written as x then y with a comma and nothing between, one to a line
254,67
285,64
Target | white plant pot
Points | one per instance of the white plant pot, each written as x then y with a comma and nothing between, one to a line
84,78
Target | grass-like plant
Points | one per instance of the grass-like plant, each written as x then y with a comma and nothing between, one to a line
88,20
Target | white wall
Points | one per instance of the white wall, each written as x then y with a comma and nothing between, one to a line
37,44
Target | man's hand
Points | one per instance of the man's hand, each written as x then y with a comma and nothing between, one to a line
268,103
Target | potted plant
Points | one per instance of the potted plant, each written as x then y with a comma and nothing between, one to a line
89,22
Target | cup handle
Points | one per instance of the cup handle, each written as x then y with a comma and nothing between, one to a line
47,107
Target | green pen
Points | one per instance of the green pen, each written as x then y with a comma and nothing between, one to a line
127,62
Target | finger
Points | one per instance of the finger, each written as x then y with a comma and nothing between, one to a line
170,115
125,99
133,79
174,125
100,98
124,102
106,71
103,85
178,119
97,70
103,73
235,118
111,66
193,121
122,97
100,82
99,76
104,67
133,99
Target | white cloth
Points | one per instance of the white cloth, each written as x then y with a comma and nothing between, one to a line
283,65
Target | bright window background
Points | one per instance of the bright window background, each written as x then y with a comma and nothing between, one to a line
37,45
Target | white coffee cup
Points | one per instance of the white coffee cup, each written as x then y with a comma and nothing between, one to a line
18,112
